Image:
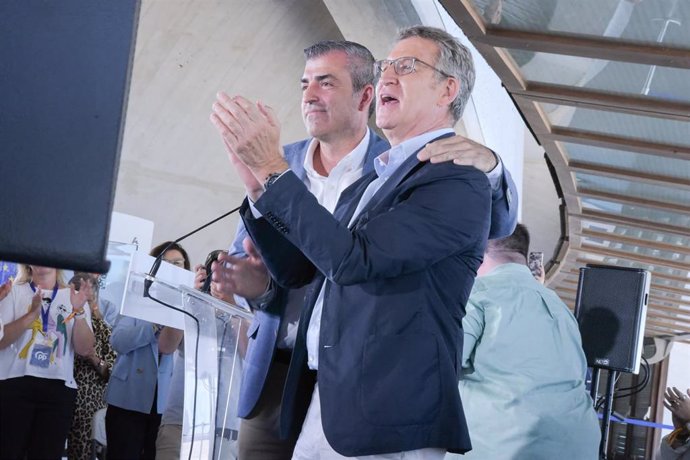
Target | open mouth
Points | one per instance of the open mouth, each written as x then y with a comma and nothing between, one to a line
386,100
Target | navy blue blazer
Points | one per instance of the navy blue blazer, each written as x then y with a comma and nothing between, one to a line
263,332
396,285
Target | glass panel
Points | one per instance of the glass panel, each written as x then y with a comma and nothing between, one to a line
637,212
645,236
611,76
660,21
632,189
634,232
619,124
651,164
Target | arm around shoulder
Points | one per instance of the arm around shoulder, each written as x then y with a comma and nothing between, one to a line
504,207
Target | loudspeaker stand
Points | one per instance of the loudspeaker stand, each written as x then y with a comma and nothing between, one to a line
608,406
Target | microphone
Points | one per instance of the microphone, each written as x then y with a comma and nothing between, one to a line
212,256
151,276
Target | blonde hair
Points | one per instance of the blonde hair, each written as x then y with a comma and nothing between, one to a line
24,275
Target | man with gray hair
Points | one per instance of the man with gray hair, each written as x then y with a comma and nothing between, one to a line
375,363
524,369
337,95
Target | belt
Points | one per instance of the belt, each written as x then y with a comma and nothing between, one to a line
227,433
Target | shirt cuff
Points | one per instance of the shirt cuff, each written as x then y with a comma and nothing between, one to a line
495,176
261,302
255,212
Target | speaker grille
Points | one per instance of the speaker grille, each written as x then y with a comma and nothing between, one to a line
611,308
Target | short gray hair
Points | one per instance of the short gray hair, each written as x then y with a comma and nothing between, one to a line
453,59
360,59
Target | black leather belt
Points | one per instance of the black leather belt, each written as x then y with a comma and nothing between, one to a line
227,433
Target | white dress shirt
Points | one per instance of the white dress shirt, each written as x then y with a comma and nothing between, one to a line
327,190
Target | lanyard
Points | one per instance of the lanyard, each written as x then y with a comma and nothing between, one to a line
45,314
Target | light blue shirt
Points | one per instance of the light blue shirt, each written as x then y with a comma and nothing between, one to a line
523,388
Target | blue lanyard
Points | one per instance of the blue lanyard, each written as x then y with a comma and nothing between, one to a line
45,314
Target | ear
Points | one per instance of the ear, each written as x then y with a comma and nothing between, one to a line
366,98
451,88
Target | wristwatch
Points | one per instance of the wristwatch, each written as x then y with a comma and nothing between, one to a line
271,179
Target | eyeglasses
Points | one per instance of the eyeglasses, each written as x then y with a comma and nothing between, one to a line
402,66
176,262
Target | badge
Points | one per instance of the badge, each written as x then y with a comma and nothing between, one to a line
40,356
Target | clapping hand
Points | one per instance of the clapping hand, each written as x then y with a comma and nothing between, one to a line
679,404
5,289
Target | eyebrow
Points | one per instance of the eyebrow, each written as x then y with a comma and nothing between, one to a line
320,78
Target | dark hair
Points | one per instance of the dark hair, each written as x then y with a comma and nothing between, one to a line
513,248
163,247
453,59
359,58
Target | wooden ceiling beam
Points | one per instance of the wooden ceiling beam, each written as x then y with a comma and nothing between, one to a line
627,239
634,201
602,100
591,215
629,174
607,141
610,49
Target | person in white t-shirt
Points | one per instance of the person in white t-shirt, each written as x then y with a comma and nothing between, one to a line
45,324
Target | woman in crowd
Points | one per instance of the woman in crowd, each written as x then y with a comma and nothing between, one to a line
676,446
45,324
91,373
140,379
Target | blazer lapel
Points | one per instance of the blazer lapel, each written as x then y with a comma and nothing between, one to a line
405,169
350,197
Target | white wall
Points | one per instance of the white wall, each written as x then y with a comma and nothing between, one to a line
173,168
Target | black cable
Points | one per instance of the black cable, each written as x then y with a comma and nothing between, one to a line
638,388
157,263
635,388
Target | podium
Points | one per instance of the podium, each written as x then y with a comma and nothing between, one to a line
215,341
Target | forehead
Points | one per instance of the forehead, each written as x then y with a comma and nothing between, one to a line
332,63
420,48
173,254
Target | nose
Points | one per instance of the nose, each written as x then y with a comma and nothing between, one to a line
387,75
309,93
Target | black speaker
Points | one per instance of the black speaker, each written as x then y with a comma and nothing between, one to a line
611,309
64,79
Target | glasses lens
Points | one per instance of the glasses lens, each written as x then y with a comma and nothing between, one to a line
404,65
176,262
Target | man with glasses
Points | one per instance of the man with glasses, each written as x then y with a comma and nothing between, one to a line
337,94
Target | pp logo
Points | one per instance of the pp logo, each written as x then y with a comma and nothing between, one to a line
40,357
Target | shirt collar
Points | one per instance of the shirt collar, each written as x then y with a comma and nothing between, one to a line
386,163
352,160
